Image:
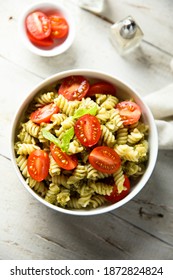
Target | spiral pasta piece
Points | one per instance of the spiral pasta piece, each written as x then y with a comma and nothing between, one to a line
54,168
142,127
132,169
122,136
51,195
85,195
22,163
115,116
66,124
78,174
107,137
84,201
32,128
75,147
58,118
101,188
67,107
100,98
94,174
87,103
45,98
103,115
61,180
127,152
26,149
119,179
134,137
39,187
25,137
73,203
63,197
110,102
142,149
97,200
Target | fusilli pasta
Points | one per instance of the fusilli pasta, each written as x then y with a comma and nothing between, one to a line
83,186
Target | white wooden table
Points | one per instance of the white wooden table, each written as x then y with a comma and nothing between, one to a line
143,228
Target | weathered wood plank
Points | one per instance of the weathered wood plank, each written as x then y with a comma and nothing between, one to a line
143,228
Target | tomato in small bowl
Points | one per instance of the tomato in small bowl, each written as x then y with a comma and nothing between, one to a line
96,154
47,29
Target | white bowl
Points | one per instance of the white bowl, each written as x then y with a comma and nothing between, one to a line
124,91
56,49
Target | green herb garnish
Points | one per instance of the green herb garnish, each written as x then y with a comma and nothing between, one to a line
65,141
66,138
83,111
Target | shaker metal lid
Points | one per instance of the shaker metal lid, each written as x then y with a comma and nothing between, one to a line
128,29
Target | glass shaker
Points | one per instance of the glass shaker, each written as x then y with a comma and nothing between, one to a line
126,35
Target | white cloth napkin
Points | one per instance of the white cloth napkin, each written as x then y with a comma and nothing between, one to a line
161,105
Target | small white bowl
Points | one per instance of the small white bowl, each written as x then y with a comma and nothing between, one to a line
57,48
124,91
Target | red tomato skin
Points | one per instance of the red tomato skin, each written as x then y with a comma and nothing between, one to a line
74,87
38,25
130,112
67,162
59,26
44,113
47,42
88,130
115,196
105,159
102,88
38,165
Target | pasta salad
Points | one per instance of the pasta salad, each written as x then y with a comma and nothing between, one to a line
81,147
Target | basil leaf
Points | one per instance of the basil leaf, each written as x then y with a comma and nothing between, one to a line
49,136
83,111
67,136
64,143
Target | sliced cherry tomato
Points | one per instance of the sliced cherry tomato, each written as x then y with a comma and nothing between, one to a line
44,114
88,130
38,165
130,112
74,87
59,26
62,159
38,25
47,42
115,196
103,88
105,159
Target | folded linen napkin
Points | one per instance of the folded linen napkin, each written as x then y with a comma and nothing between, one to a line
161,105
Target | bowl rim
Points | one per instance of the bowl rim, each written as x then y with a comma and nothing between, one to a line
102,76
57,50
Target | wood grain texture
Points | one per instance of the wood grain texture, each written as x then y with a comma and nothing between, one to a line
143,228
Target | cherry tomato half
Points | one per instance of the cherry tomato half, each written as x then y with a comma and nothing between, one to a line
59,26
105,159
44,113
38,25
74,87
88,130
38,165
62,159
47,42
115,196
101,87
130,112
